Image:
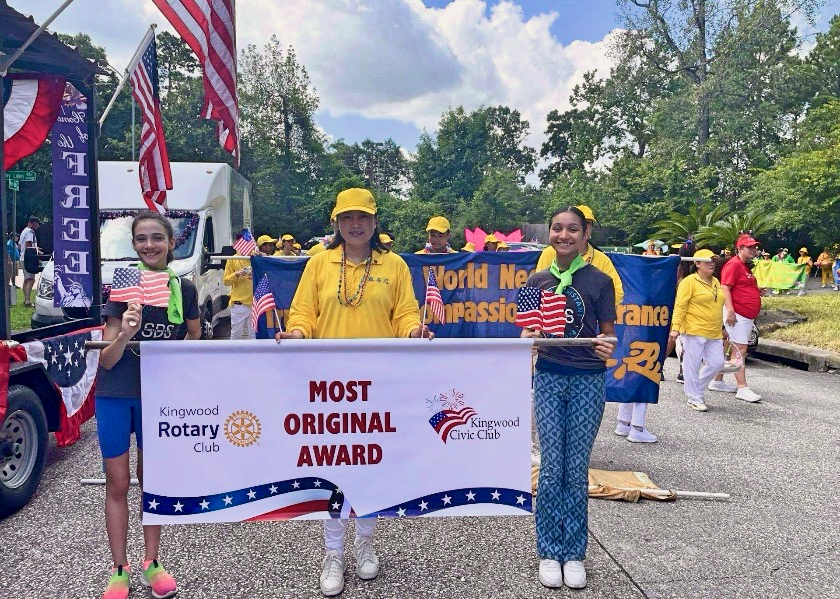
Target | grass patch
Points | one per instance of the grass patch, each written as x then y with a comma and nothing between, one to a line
20,317
822,329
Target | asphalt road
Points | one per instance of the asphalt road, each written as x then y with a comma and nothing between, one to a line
776,537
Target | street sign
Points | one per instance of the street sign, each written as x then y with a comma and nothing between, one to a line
21,176
14,184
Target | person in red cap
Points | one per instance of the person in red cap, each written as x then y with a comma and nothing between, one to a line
742,303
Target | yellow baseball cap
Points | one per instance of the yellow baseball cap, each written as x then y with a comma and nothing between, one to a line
354,198
265,239
296,245
385,238
502,244
287,237
587,212
316,249
439,224
704,254
469,247
490,238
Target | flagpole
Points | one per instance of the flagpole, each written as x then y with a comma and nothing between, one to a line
5,64
131,64
277,320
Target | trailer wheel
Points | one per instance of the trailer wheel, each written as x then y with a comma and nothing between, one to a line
206,316
23,449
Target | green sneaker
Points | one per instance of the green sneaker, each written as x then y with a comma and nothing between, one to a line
119,583
159,580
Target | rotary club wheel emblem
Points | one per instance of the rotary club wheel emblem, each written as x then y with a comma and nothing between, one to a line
242,428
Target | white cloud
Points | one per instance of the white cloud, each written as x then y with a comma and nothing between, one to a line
402,60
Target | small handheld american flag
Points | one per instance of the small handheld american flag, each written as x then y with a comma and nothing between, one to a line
146,287
263,301
541,310
433,297
245,245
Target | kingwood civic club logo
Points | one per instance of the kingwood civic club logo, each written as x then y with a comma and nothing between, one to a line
450,412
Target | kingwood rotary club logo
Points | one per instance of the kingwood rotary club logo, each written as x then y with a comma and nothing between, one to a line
242,428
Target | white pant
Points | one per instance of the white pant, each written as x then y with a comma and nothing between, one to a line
697,349
334,531
634,413
240,322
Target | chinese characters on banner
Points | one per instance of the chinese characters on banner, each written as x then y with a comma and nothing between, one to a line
71,211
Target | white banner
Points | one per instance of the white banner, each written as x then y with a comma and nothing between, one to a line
253,430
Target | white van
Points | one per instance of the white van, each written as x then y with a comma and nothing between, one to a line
209,204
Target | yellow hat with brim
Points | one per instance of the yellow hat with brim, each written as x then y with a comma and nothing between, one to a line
587,212
704,254
265,239
316,249
502,244
803,250
385,238
354,198
439,224
469,247
287,237
490,238
296,246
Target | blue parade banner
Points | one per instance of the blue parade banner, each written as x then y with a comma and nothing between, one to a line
71,211
642,326
479,293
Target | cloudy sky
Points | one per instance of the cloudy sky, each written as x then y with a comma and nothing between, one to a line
389,68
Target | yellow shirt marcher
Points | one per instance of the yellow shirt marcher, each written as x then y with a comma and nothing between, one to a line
825,261
698,309
596,258
389,308
241,287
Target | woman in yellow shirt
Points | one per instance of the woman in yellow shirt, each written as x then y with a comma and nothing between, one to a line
698,321
824,262
356,288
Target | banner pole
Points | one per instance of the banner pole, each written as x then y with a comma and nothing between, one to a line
561,341
277,320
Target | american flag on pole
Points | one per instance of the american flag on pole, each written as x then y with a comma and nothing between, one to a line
433,298
263,301
146,287
155,176
541,310
245,245
209,28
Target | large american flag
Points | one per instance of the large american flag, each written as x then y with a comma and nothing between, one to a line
209,28
433,298
245,245
541,310
155,176
263,301
146,287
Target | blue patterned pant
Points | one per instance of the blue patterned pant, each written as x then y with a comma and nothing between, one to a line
568,409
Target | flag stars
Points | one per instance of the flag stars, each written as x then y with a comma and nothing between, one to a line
447,500
205,505
335,505
251,494
423,506
153,504
179,507
520,500
296,485
470,496
496,495
401,512
317,483
273,489
228,499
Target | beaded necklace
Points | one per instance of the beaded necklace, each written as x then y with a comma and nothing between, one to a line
342,282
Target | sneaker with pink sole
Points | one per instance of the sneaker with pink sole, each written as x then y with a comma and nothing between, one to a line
158,579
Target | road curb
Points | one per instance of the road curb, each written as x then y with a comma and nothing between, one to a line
817,360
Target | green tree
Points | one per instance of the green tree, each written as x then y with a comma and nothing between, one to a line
680,225
725,232
823,65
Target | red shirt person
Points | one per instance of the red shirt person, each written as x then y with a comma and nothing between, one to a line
742,303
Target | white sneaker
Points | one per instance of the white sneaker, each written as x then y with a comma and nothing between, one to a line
367,564
574,575
622,429
697,404
722,387
747,394
551,574
332,574
635,436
